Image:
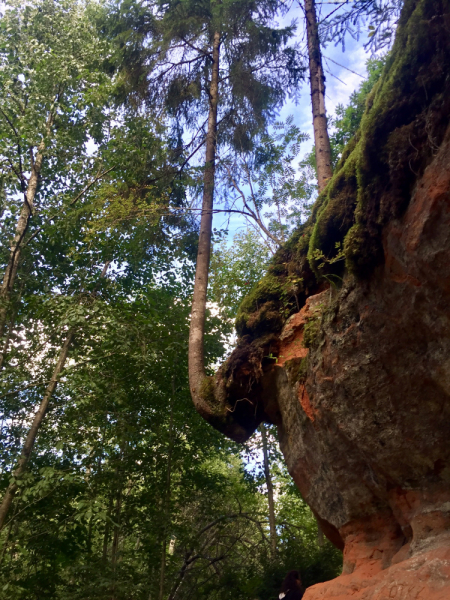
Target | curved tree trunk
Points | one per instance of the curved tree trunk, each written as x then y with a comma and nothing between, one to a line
317,81
198,313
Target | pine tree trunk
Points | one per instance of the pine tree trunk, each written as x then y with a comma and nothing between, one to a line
272,524
317,81
198,313
33,431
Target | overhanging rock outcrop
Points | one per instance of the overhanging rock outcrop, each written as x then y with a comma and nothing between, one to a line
366,433
358,379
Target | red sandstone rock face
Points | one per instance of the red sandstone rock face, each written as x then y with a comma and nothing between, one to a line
367,436
364,415
425,576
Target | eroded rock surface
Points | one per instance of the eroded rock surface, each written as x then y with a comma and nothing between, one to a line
366,436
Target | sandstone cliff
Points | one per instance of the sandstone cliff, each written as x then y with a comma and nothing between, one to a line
358,379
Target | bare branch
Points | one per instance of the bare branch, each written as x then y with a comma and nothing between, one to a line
251,214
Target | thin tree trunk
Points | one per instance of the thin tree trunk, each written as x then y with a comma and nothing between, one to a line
37,421
317,81
198,313
89,538
7,341
116,534
11,324
33,431
166,511
106,533
21,228
115,544
162,570
184,569
272,524
255,214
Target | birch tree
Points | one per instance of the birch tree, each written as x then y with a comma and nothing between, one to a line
50,105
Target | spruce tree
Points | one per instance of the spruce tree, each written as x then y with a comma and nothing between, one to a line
220,70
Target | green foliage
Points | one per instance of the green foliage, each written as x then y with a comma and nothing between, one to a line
167,47
53,87
275,195
236,268
125,478
92,515
347,119
381,17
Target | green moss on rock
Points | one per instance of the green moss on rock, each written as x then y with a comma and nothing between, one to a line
333,222
405,120
260,306
362,249
311,333
297,369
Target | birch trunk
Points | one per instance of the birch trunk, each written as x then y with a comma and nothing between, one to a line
21,229
198,313
38,418
7,337
33,431
317,82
